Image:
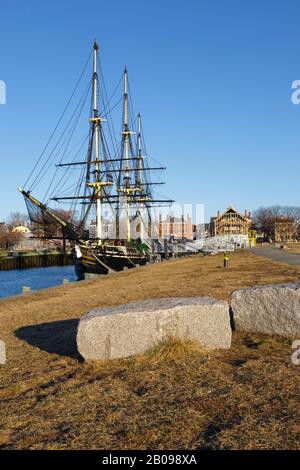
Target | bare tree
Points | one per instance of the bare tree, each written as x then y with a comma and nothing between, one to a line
8,238
293,213
17,218
264,218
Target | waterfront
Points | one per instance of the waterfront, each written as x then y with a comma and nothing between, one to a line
19,260
11,282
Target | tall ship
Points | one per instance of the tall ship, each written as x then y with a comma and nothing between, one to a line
102,187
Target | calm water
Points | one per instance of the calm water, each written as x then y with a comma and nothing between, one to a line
11,282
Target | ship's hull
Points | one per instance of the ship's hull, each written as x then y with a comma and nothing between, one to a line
107,259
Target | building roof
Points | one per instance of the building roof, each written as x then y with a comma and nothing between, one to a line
231,210
21,229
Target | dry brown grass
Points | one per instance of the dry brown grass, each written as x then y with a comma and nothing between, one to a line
293,247
174,396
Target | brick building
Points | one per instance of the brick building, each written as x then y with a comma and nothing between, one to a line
285,230
178,227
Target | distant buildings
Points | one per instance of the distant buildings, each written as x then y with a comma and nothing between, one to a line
199,231
177,227
285,230
231,222
21,229
230,225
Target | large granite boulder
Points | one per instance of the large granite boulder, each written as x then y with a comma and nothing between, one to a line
124,330
272,309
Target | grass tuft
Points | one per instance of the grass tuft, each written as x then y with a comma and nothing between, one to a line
173,349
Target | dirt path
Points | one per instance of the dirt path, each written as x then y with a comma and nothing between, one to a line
277,255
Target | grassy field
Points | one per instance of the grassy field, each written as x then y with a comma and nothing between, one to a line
293,247
174,396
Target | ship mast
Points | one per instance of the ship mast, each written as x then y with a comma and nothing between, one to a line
140,161
126,136
102,171
96,122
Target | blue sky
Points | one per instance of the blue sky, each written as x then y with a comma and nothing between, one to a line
211,78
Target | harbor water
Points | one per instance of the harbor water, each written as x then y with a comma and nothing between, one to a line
12,282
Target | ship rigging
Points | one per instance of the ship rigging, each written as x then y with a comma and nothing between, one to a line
114,187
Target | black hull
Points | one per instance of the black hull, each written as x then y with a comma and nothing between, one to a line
109,258
106,265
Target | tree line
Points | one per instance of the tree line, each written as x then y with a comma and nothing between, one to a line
8,237
264,218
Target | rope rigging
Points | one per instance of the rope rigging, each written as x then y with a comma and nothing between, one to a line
59,121
42,172
127,169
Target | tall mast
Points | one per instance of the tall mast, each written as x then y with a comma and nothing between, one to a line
126,134
96,48
96,121
102,171
140,162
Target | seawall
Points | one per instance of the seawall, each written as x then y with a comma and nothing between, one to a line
34,260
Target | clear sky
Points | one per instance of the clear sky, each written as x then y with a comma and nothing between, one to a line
211,78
